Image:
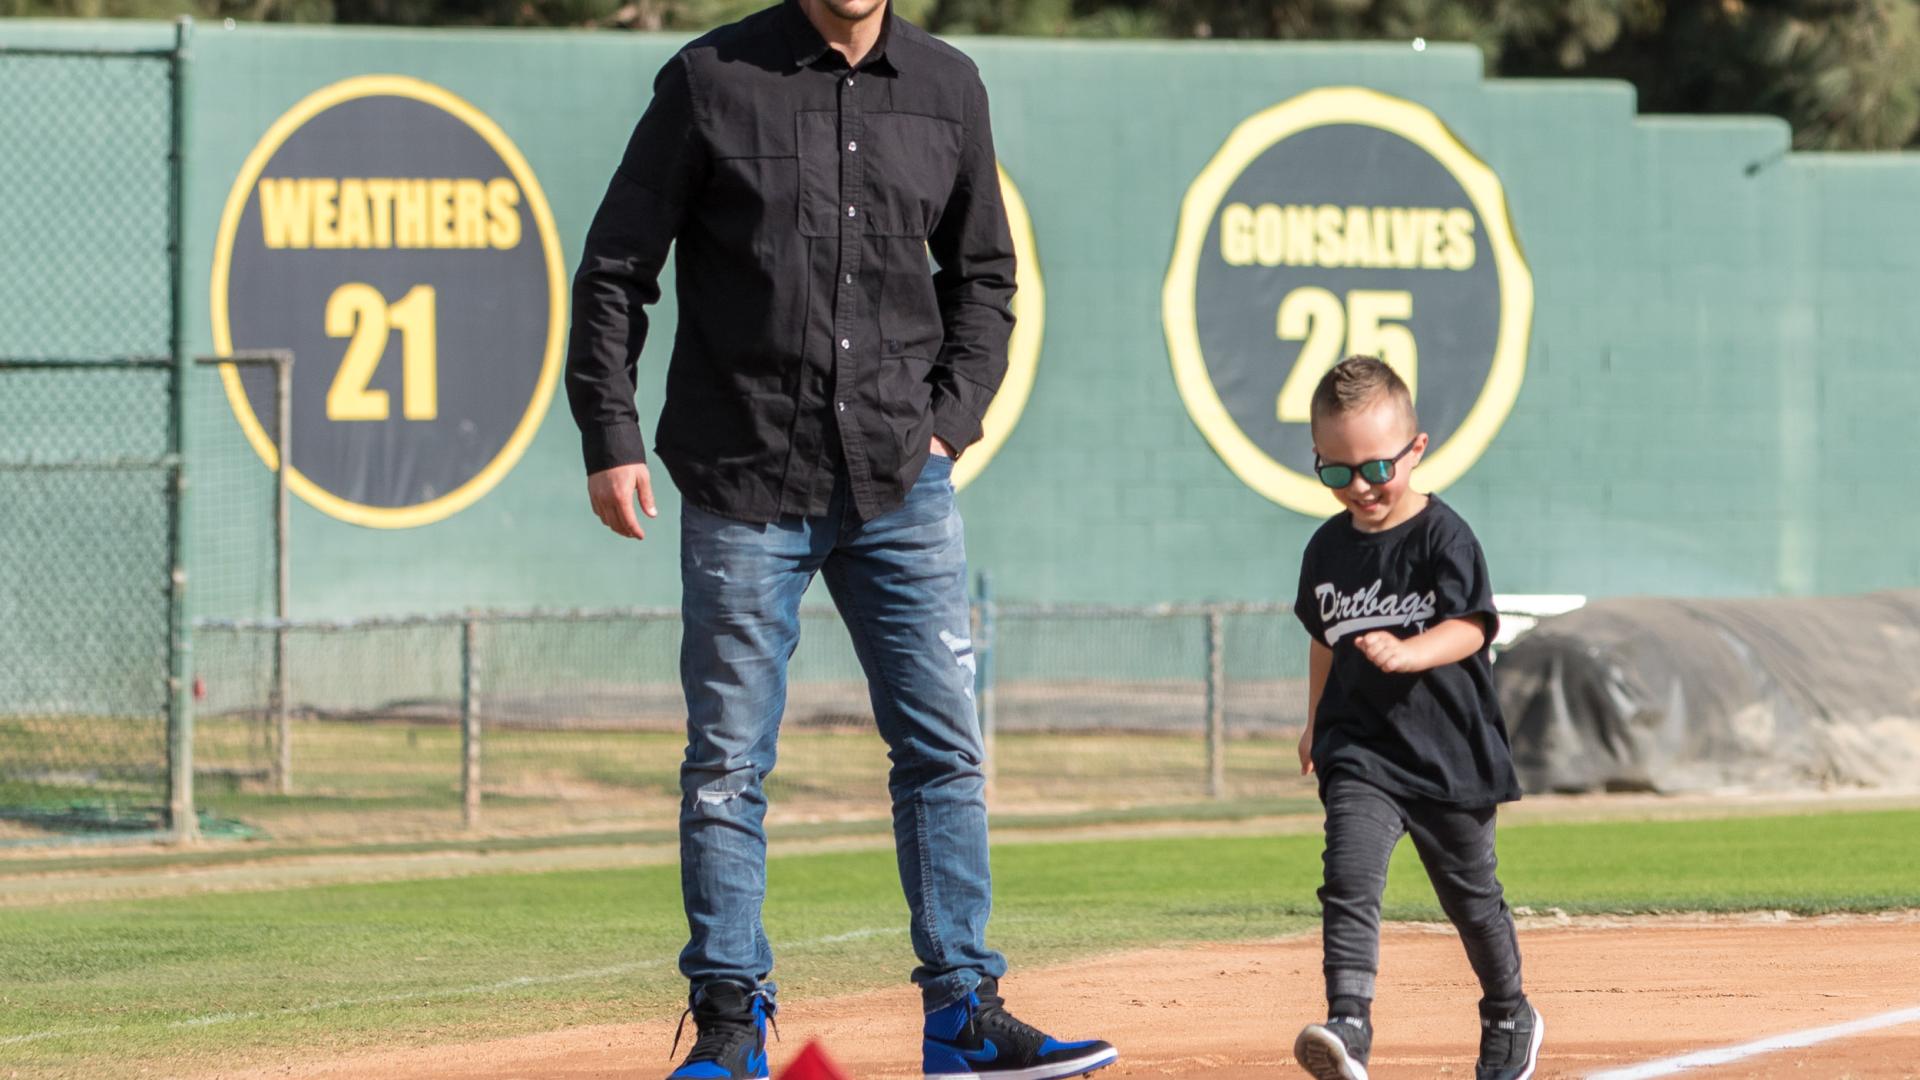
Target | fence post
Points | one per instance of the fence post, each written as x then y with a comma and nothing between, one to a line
469,726
182,822
283,721
1216,705
983,674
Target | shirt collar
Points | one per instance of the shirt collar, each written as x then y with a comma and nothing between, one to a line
808,46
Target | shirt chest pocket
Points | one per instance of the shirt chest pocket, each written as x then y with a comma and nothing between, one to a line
890,173
752,189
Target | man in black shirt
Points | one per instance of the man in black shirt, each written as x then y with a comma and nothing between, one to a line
1403,726
807,160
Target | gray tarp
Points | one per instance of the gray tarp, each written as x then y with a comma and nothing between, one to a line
1690,695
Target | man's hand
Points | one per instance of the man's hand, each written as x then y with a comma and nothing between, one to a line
1388,652
939,446
1306,750
612,492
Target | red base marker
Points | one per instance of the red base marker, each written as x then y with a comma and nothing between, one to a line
813,1064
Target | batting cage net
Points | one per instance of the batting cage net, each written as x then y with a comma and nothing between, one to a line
238,534
90,459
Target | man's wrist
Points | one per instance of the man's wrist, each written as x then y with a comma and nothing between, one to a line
613,446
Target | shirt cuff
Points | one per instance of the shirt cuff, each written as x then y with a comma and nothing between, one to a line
621,444
955,425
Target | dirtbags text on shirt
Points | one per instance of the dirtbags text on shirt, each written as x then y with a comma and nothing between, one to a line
1369,610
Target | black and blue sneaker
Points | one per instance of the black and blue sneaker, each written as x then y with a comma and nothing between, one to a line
978,1037
732,1040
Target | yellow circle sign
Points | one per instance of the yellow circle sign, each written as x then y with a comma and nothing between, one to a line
1023,351
393,237
1344,221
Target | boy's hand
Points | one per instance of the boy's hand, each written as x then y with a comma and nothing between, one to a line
1306,750
1387,652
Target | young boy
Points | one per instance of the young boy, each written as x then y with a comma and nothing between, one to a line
1403,727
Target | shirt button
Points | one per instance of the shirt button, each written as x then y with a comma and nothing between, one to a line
849,279
849,80
843,406
853,145
850,211
845,344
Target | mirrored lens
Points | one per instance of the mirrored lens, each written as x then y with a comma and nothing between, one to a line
1377,472
1336,476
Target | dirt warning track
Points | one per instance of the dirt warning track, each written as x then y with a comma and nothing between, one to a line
1616,994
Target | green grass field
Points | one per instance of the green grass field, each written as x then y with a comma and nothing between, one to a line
179,985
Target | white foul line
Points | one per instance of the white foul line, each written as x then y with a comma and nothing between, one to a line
213,1019
1762,1046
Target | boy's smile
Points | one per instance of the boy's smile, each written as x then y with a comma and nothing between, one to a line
1380,431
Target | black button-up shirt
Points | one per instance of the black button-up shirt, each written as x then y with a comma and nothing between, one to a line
815,341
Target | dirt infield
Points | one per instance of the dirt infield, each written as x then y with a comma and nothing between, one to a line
1615,992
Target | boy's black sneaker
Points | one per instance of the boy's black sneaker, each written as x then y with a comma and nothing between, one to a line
1510,1046
732,1026
976,1037
1335,1050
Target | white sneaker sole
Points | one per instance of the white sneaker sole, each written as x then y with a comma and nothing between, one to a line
1324,1056
1059,1070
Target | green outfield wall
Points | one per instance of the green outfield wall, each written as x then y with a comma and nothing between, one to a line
1659,355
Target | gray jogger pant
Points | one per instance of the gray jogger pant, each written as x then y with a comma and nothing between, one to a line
1456,846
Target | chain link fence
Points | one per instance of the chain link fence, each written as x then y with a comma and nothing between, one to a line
1173,703
551,722
86,203
544,723
91,708
86,486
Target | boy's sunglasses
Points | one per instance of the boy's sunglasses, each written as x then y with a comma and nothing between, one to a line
1374,472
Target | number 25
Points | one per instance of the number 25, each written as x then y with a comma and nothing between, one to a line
1315,316
362,313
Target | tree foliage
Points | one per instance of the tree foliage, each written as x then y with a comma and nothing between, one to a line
1844,73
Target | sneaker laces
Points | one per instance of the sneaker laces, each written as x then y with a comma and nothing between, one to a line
717,1036
993,1012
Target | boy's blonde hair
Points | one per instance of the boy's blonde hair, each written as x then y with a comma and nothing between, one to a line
1356,383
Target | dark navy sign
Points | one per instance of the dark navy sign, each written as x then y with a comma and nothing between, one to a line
395,240
1338,223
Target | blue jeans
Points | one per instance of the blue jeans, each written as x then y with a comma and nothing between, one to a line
900,584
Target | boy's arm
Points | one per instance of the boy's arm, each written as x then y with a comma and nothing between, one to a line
1319,664
1449,643
1463,596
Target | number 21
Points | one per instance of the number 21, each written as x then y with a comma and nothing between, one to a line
361,313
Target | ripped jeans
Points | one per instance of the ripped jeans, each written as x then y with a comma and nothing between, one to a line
899,582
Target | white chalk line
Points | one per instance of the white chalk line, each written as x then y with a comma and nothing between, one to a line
214,1019
1768,1045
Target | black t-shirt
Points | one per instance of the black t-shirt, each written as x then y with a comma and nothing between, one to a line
1433,735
